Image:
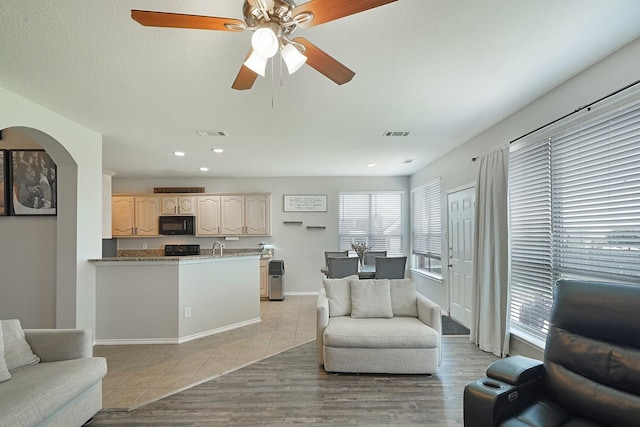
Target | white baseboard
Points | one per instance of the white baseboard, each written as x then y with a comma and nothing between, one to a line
180,340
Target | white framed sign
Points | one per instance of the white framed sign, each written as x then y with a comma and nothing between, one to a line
305,203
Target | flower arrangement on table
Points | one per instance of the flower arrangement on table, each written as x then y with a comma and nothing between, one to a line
360,248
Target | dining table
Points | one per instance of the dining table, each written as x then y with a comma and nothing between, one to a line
366,271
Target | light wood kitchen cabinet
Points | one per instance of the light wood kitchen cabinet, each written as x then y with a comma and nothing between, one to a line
232,215
264,278
244,215
177,205
208,216
257,215
134,216
216,214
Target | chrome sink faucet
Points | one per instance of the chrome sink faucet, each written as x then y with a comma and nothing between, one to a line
213,249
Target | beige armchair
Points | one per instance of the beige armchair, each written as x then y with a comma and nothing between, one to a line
377,326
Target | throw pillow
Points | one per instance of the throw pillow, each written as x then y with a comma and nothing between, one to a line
17,351
339,295
403,297
4,371
371,298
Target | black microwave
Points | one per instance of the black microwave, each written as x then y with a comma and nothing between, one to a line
176,224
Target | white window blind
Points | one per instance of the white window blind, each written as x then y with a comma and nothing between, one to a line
427,226
530,234
372,218
575,210
596,198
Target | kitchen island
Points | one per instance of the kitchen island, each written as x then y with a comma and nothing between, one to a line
160,300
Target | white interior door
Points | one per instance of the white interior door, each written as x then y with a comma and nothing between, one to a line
461,206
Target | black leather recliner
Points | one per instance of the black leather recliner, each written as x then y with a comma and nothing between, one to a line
591,370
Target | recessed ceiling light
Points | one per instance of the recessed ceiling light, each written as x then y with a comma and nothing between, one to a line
371,165
212,133
203,169
179,153
218,150
396,133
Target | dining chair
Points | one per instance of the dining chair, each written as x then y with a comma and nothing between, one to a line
370,257
339,267
334,254
390,267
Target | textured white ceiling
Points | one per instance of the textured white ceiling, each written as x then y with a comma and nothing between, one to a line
445,70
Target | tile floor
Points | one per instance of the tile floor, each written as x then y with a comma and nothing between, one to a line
139,374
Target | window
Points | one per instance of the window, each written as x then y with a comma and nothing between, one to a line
427,228
372,218
575,210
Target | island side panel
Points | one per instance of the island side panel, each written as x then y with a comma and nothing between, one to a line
137,302
222,294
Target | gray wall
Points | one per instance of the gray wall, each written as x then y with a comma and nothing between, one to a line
618,70
28,241
301,249
28,272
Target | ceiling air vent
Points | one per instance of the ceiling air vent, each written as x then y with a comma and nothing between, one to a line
396,133
212,133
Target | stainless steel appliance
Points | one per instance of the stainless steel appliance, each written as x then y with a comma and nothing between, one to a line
181,250
276,280
176,224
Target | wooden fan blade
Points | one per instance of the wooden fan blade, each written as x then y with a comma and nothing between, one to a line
178,20
246,77
329,10
324,63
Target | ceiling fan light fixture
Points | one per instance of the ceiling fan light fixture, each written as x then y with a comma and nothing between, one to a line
256,63
265,42
293,58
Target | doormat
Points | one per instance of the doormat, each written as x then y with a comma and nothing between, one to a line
451,327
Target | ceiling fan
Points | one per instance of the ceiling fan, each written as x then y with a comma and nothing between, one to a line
273,21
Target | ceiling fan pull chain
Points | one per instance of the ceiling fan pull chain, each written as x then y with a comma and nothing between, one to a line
281,81
272,85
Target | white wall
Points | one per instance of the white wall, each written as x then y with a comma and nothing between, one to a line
301,249
456,168
77,152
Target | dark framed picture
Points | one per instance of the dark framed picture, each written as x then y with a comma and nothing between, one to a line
33,183
3,182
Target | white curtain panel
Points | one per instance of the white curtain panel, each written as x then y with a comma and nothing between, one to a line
490,254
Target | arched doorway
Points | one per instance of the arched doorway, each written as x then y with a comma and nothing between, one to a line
35,255
77,151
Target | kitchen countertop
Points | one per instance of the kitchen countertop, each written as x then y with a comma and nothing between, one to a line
155,256
171,258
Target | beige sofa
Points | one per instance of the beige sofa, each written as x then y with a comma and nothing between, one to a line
48,377
377,326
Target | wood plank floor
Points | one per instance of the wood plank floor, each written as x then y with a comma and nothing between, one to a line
290,388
